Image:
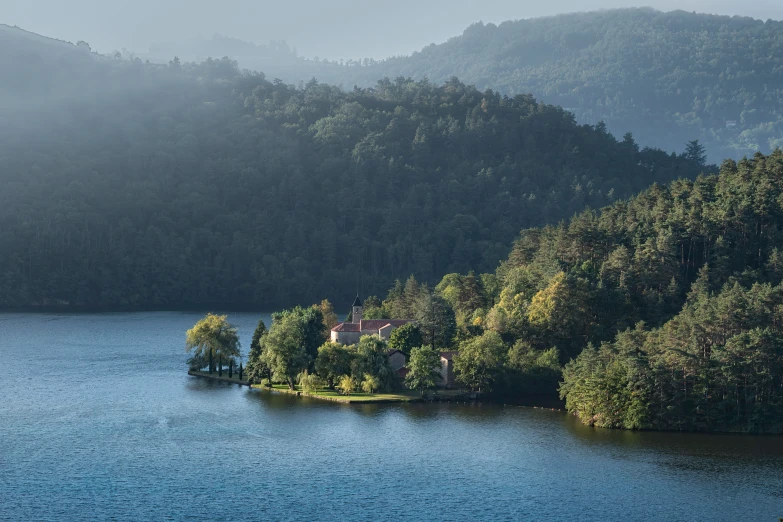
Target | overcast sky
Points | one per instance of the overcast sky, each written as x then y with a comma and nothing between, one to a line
326,28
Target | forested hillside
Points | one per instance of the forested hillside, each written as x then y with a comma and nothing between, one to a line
668,77
666,307
207,186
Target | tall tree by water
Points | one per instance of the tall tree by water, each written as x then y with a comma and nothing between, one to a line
256,369
212,336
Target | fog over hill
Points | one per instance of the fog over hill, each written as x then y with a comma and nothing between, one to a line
666,77
126,184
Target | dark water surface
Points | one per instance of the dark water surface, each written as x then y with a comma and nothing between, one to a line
99,421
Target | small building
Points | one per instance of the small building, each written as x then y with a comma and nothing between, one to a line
397,360
351,332
447,376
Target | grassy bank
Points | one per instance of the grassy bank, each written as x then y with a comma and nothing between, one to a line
330,395
355,398
215,377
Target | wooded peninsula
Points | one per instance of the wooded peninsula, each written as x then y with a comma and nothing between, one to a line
663,311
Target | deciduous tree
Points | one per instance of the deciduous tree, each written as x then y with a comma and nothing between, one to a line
212,333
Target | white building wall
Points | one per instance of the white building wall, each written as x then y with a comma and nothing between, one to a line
346,337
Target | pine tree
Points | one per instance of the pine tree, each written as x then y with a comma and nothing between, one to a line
695,152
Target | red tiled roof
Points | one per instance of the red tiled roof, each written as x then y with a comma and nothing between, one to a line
346,327
369,325
377,324
402,372
449,356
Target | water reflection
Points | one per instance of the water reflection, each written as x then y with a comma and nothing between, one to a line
98,432
692,444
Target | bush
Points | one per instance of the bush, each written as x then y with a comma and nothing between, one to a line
370,383
309,382
347,385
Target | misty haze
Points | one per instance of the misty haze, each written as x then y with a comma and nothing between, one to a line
426,260
343,29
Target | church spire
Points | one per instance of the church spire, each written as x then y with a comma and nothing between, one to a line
356,311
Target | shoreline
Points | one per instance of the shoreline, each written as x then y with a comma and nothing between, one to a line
454,396
405,397
359,398
216,377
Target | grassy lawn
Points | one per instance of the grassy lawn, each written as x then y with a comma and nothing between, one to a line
331,395
327,394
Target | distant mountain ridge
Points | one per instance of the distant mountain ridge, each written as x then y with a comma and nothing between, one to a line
667,77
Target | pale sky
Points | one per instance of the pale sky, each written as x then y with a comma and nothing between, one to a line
327,28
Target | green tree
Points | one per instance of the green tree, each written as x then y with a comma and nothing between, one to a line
213,334
478,362
309,325
256,369
372,308
435,319
464,295
371,359
347,385
309,382
284,348
370,383
333,361
327,312
695,152
424,369
532,371
405,338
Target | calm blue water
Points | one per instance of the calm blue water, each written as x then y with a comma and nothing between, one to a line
99,420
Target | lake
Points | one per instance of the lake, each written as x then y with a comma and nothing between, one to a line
99,420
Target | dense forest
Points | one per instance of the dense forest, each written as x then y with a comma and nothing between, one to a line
664,308
202,185
668,77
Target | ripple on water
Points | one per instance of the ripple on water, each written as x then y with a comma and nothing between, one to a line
100,421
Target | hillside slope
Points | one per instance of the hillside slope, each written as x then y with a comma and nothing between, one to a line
207,186
667,307
668,77
44,73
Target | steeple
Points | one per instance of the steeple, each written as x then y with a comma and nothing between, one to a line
356,310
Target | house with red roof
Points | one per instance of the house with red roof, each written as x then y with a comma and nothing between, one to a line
351,332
